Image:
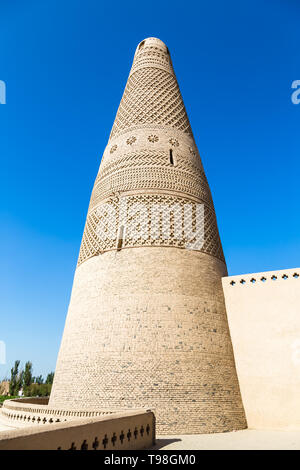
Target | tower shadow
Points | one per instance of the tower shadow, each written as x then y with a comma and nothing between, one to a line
164,442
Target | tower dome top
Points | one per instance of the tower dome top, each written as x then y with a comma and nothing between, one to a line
152,52
152,42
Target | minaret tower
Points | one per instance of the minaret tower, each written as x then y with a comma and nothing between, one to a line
147,326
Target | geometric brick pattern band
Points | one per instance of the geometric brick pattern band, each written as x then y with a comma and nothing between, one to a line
140,106
149,169
150,220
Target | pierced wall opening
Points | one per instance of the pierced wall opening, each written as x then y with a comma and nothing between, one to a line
171,157
120,238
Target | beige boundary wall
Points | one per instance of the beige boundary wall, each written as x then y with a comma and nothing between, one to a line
264,318
32,411
121,431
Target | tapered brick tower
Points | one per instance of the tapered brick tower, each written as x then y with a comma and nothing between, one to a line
147,325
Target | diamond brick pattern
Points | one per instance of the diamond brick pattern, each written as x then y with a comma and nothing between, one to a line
151,97
142,217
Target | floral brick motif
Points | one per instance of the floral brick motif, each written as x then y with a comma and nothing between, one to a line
174,142
153,138
113,148
131,140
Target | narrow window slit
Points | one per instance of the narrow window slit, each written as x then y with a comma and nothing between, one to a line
120,238
171,157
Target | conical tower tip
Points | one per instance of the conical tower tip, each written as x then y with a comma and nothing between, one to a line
152,42
152,52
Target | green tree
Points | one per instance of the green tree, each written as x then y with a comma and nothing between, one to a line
33,390
40,390
32,386
16,379
27,378
50,378
39,380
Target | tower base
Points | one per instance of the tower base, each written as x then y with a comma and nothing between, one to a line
147,328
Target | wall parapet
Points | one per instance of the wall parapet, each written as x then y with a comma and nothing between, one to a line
122,431
261,278
24,411
264,321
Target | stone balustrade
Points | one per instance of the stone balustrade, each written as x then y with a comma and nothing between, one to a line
23,411
130,430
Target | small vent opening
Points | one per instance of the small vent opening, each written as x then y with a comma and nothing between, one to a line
171,157
120,238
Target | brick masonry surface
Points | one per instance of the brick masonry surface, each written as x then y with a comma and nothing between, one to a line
147,325
147,328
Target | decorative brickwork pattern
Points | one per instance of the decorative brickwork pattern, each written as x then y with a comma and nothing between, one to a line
152,53
142,216
147,325
147,168
151,97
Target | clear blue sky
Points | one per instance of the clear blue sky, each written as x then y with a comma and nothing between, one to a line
65,64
